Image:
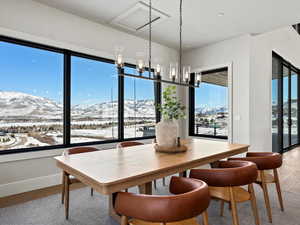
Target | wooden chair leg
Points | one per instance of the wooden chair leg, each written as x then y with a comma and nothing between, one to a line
222,208
277,182
253,204
92,192
233,207
205,217
266,195
124,220
164,181
63,188
67,193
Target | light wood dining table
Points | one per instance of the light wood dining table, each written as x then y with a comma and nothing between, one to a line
110,171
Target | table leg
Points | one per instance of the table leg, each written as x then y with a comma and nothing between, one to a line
112,211
146,188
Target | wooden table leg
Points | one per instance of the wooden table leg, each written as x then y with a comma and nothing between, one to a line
146,188
63,188
67,193
112,211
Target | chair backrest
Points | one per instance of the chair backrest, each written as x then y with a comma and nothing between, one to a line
190,200
228,173
263,160
78,150
129,144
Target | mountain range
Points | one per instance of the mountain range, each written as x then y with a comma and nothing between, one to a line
18,105
21,105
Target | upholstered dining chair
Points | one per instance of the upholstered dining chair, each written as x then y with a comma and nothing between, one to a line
265,162
225,183
135,143
191,198
68,180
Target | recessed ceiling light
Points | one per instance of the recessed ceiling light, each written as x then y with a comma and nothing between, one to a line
221,14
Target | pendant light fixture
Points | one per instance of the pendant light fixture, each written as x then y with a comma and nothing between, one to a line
178,74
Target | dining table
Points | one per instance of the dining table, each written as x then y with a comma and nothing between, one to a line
114,170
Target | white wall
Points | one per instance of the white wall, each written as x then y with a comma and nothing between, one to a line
251,58
285,42
35,22
236,52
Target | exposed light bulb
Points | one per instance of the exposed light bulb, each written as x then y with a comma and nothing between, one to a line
158,70
119,61
186,73
140,66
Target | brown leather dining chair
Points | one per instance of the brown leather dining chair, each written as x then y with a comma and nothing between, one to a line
266,161
224,184
191,198
135,143
68,180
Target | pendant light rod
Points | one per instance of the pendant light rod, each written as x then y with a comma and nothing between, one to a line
150,37
180,42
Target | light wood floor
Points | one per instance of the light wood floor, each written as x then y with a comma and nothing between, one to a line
289,175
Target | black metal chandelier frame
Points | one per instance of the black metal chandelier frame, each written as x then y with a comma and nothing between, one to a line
155,75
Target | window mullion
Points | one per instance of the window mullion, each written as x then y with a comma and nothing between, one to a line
121,105
67,97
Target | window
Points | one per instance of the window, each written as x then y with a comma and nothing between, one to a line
285,104
209,105
31,97
94,100
139,108
52,98
276,71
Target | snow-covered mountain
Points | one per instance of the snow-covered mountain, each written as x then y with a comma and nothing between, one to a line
210,110
17,104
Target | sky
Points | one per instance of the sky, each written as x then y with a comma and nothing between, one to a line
40,73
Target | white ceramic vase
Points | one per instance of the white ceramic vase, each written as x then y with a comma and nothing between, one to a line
166,133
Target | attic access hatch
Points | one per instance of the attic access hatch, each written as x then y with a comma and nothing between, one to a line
137,17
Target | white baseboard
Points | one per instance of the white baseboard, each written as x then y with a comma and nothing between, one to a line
29,185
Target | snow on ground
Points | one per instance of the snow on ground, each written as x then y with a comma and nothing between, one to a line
210,131
10,142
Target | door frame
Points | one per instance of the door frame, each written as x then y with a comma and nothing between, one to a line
280,87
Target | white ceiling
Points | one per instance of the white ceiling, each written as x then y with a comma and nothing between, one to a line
201,20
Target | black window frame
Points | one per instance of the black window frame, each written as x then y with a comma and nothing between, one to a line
192,107
280,85
67,53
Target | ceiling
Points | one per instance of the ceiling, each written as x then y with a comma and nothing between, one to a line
217,78
204,21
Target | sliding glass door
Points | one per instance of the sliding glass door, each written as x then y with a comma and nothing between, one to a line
285,104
